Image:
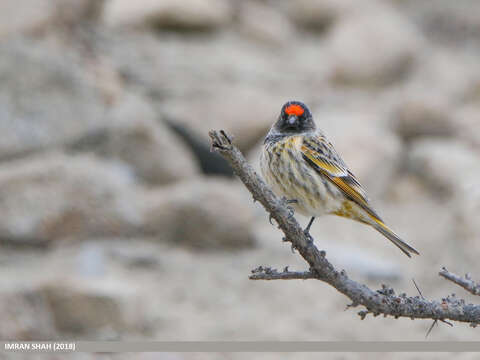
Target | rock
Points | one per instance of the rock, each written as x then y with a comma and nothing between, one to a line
135,257
73,12
30,17
264,24
372,48
465,209
446,22
54,196
91,260
45,98
24,16
205,214
146,145
420,116
210,162
85,308
445,73
364,263
181,15
318,15
26,316
245,113
161,67
448,166
467,125
422,217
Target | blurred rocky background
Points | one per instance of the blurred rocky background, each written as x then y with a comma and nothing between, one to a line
118,223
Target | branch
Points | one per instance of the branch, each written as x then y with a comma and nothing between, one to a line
383,301
268,273
466,282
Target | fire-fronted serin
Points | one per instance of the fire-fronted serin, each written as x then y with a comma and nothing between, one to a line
300,164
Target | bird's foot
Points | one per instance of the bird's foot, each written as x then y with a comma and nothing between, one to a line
286,202
293,248
270,217
307,231
308,236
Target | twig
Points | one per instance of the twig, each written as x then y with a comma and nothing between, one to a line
466,282
267,273
383,301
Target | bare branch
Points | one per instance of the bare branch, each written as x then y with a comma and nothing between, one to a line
267,273
466,282
383,301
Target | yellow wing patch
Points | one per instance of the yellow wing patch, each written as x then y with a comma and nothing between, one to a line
350,191
341,177
328,167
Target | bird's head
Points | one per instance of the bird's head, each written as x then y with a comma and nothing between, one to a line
295,118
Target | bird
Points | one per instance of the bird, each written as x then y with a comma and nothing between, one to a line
301,166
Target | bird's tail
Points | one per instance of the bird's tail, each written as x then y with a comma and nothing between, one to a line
390,235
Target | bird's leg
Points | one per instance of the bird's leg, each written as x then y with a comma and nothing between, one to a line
307,229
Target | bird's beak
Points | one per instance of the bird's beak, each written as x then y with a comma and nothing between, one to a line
292,119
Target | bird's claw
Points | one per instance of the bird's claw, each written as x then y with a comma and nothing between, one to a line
291,212
284,239
286,202
270,219
308,236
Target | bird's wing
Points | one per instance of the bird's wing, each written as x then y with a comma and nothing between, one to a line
322,157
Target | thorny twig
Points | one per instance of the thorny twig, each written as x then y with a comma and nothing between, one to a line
383,301
466,282
267,273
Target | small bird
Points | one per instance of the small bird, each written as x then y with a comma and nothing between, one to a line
302,166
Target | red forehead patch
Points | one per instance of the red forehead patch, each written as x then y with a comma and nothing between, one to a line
294,109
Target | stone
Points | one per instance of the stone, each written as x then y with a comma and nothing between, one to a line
466,122
447,166
364,262
154,152
372,48
31,17
466,206
54,196
318,15
26,315
208,214
180,15
24,16
136,257
445,73
245,113
45,99
92,307
75,12
445,22
264,24
420,116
